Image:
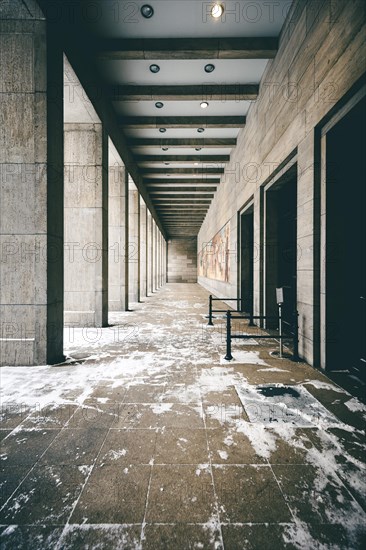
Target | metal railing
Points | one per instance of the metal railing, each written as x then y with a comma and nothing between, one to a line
238,309
294,332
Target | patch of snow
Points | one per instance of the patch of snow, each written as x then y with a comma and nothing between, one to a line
355,405
223,455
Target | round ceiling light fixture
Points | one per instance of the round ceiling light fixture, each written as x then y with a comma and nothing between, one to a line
216,11
162,130
159,105
154,68
204,105
209,68
200,130
147,11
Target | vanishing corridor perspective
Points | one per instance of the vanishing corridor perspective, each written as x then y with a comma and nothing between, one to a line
182,274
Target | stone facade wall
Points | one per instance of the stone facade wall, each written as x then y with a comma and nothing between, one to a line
321,56
182,260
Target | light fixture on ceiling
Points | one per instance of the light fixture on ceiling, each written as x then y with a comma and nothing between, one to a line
217,10
165,148
147,11
159,105
209,68
200,130
204,105
154,68
196,163
162,130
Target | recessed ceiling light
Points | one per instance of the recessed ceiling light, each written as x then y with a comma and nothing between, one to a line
162,130
209,68
165,148
155,68
204,105
196,163
159,105
216,11
198,148
200,130
147,11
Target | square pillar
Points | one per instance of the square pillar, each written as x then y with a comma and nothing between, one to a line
86,225
31,191
149,253
133,243
143,250
117,216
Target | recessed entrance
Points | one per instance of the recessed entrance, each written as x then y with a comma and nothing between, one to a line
345,227
281,245
246,260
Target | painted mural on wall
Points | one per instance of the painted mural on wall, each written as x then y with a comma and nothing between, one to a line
214,258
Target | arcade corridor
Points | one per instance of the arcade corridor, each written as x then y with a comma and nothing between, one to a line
154,158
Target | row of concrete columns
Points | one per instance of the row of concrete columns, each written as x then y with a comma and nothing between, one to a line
77,240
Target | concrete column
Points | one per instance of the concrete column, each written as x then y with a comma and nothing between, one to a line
152,255
158,258
155,256
149,253
117,217
258,224
143,266
31,190
308,251
86,225
133,243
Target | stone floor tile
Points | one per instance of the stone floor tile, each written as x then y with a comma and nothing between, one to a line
26,537
25,447
46,496
126,537
268,536
51,416
249,494
181,446
114,494
181,494
144,393
128,446
75,446
315,496
227,446
182,537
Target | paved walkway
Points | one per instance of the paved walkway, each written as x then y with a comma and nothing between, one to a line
146,438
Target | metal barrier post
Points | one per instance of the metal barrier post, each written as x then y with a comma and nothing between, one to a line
210,323
280,327
296,335
238,304
228,356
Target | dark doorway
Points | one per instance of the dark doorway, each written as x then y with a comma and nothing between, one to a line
345,243
246,260
281,246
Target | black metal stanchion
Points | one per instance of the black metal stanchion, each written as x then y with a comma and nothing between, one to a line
296,336
280,328
228,356
210,323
